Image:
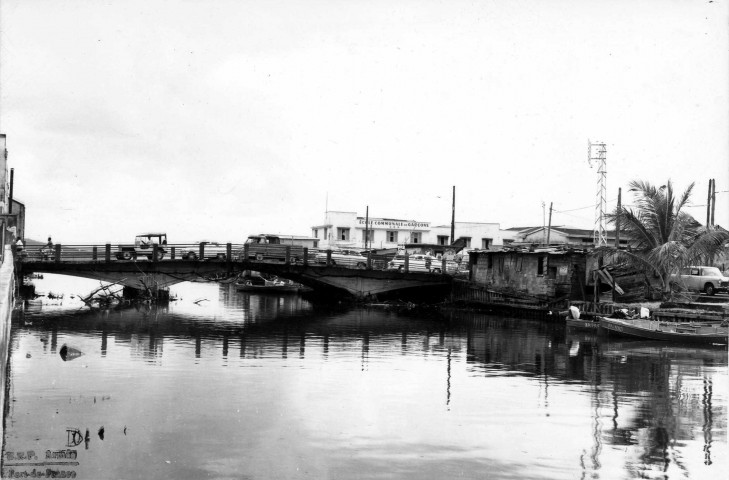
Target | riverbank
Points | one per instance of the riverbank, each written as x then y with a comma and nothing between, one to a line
7,302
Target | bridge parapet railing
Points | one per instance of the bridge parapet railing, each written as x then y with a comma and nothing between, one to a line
214,251
123,251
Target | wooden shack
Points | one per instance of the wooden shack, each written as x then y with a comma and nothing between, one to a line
546,275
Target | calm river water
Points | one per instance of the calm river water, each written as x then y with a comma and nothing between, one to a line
223,384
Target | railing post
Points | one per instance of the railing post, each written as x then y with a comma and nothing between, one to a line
246,247
443,270
154,252
94,253
369,260
329,257
172,253
58,253
229,255
306,256
107,253
202,251
407,262
288,255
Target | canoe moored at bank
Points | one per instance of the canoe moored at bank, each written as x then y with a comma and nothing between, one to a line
698,332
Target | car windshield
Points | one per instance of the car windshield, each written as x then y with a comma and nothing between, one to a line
713,271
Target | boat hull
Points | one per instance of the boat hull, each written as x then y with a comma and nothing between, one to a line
655,330
582,323
268,288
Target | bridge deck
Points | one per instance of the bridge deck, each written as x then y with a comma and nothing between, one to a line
169,264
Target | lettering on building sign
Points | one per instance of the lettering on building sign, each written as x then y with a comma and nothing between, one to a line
396,224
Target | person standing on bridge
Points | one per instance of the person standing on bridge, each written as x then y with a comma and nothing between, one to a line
19,246
47,249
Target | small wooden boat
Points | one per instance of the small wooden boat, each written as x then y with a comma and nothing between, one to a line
259,284
695,332
582,323
267,288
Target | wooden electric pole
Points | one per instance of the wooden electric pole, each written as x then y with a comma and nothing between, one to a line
617,219
549,228
453,216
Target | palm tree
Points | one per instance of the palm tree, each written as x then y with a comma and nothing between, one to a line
661,235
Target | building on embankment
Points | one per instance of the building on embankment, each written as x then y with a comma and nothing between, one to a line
547,279
350,230
530,280
12,224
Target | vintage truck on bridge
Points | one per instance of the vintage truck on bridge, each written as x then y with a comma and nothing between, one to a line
273,247
143,246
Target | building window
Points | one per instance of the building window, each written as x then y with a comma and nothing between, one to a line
443,240
343,234
392,236
541,264
552,272
486,243
316,233
417,237
467,240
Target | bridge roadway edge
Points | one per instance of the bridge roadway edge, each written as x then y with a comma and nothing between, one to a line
7,302
358,283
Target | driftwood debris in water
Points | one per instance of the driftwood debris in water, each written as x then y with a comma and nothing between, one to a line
106,299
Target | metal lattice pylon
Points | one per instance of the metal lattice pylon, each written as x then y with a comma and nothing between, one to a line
597,152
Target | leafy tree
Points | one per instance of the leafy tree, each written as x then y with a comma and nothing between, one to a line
663,237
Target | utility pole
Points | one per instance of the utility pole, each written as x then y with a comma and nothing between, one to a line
453,216
367,223
708,205
549,228
713,199
544,226
12,181
617,219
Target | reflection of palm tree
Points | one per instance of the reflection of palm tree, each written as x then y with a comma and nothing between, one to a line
708,419
664,236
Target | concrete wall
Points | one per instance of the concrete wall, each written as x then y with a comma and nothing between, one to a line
7,302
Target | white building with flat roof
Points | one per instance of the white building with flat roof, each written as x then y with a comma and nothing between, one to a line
347,230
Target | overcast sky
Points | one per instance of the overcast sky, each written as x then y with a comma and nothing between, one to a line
217,119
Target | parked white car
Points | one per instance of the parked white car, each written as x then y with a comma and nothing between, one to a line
421,263
343,258
212,250
702,279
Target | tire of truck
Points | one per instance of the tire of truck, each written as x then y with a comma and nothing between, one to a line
709,289
126,255
361,265
259,257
